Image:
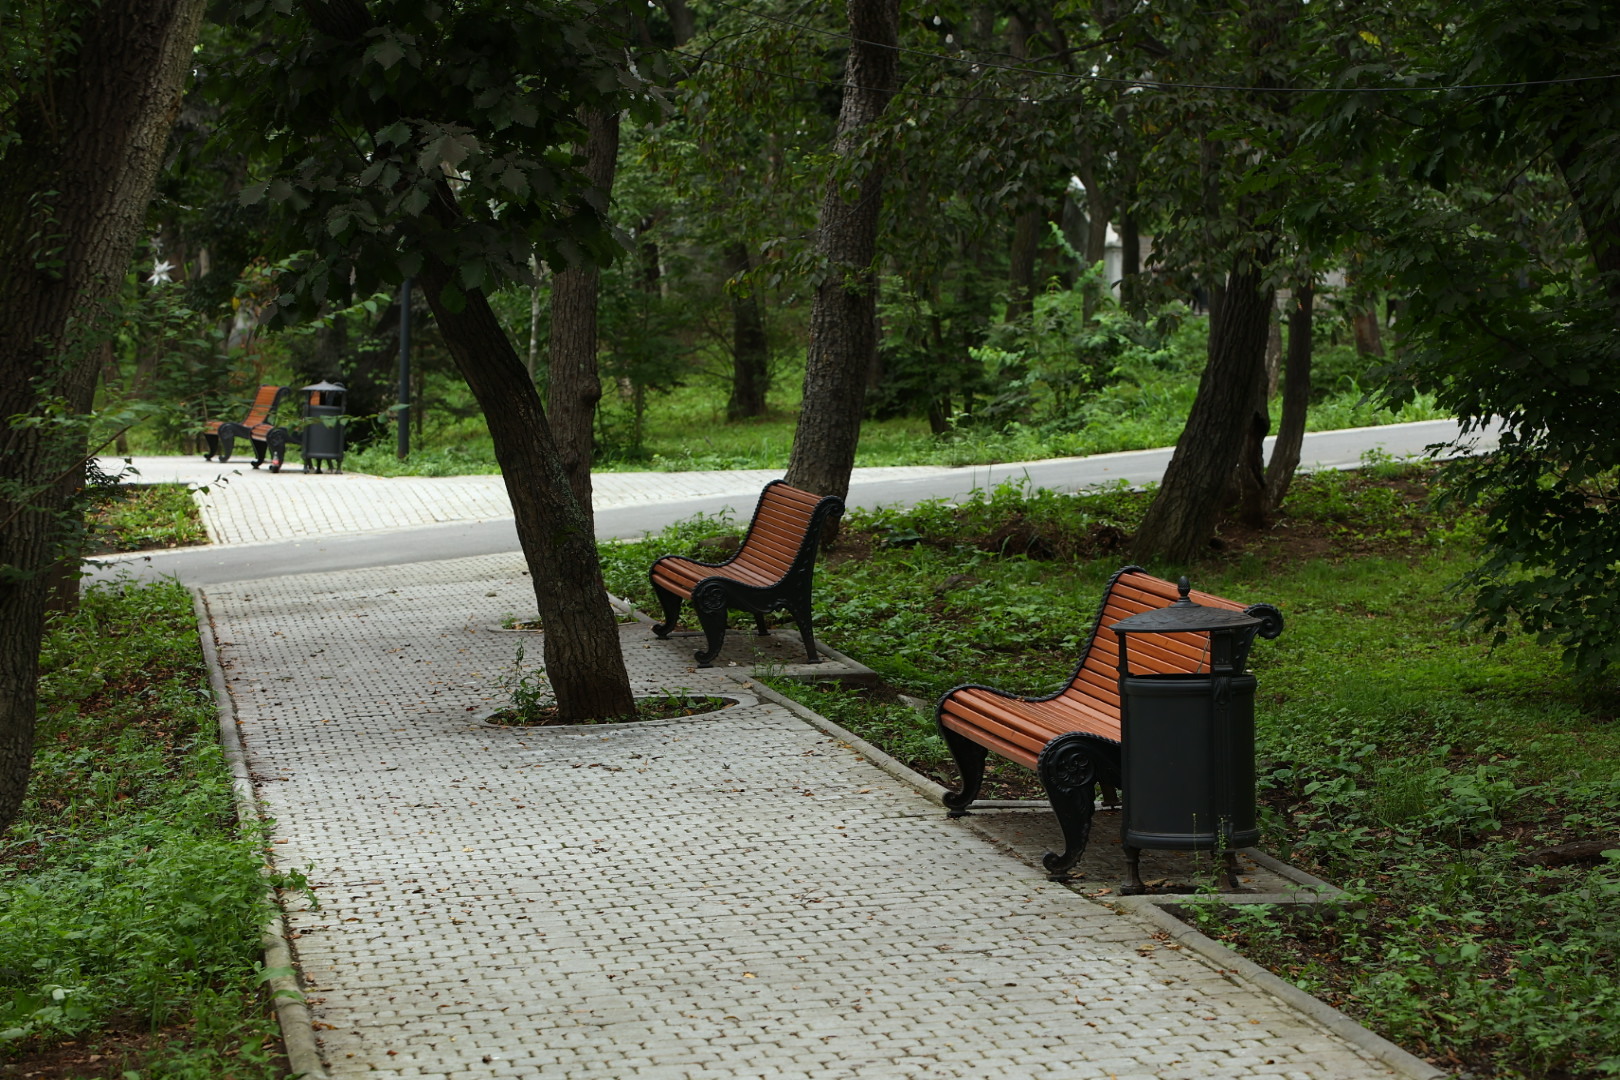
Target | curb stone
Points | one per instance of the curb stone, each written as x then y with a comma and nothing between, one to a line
292,1014
1153,910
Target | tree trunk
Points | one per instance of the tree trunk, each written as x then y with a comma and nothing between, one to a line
1369,342
843,320
581,640
575,386
681,22
1296,396
750,350
73,194
1021,275
1181,519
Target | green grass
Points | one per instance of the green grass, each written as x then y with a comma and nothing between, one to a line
144,516
131,903
1403,759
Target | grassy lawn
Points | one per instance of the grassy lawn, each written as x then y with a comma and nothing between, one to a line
131,903
140,517
1399,757
1144,406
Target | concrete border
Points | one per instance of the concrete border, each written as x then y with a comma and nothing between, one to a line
292,1014
1151,910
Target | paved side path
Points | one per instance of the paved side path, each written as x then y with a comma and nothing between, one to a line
733,896
245,506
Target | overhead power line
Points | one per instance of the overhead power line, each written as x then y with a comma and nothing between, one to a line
1155,84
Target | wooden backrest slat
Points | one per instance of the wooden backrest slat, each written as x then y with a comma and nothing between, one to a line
1131,594
778,533
263,402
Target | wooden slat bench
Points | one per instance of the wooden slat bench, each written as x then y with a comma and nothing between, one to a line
771,570
1072,738
258,425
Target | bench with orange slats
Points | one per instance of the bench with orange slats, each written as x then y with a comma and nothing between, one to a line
259,426
1072,738
771,570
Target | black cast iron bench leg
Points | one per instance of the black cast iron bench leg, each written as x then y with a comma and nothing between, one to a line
1069,771
970,757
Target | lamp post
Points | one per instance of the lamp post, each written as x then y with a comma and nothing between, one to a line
403,417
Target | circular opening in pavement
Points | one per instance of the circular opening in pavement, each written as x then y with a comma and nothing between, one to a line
660,707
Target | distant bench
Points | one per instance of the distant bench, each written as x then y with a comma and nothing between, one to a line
771,571
1071,738
259,426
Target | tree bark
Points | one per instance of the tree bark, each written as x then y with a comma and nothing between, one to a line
1369,342
73,194
843,319
1296,396
575,386
1026,240
1181,519
750,350
581,640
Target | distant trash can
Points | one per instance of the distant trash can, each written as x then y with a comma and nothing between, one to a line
324,413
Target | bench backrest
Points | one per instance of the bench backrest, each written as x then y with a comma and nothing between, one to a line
264,404
1132,590
785,531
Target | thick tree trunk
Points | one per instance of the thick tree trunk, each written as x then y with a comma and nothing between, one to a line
1181,519
1296,397
581,640
843,322
73,194
750,350
575,385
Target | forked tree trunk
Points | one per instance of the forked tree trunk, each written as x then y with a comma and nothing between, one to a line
843,321
575,385
581,641
750,350
1181,520
73,195
1296,397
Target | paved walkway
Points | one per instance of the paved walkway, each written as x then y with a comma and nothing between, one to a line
243,506
738,895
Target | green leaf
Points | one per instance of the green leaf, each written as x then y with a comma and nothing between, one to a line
386,52
415,201
395,134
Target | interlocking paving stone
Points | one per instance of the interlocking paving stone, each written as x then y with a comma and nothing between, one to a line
734,895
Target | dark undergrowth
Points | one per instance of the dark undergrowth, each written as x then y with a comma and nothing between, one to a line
131,904
1468,798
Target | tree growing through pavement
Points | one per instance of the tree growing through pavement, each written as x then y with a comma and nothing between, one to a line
432,140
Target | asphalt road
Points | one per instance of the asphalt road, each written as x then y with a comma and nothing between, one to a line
242,562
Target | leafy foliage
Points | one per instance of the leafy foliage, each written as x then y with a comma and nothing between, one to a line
478,102
1510,260
126,888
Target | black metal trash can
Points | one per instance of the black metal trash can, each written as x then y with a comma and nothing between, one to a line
1187,741
323,438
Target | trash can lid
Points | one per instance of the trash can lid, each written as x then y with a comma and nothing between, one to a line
1184,615
323,385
